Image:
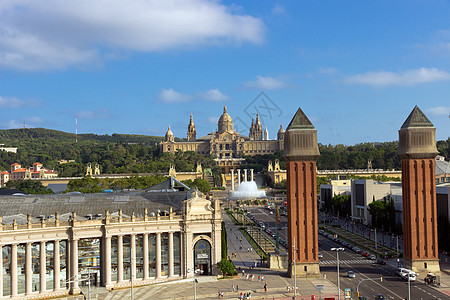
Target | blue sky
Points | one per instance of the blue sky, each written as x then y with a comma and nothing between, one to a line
356,68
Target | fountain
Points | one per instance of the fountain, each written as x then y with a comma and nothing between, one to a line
247,189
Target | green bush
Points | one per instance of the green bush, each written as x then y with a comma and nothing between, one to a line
227,267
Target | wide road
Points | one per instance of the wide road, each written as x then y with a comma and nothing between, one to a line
392,286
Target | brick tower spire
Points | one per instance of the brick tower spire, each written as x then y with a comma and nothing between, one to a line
417,151
301,152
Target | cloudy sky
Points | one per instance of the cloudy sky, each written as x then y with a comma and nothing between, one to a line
356,68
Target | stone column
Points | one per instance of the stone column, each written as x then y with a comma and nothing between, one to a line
145,254
170,254
133,256
43,266
251,174
239,176
245,174
119,258
158,255
108,261
56,267
13,270
232,179
74,266
28,269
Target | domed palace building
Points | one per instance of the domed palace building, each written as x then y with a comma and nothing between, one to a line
225,144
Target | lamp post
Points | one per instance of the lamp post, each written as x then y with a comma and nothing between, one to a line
357,287
337,259
195,281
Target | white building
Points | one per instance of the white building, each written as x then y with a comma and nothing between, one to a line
151,236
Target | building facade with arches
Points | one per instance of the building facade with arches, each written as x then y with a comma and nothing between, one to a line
145,237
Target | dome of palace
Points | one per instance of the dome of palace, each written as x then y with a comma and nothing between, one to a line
225,122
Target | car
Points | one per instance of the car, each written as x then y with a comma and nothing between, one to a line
351,274
381,262
320,255
372,257
379,297
362,298
412,276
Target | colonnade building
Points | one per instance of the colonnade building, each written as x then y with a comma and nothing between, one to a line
52,244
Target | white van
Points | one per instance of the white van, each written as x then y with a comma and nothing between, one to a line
402,271
412,276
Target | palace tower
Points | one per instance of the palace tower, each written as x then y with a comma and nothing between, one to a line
301,152
417,151
191,133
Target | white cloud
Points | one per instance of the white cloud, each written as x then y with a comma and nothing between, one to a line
213,119
213,95
11,102
90,114
14,102
265,83
172,96
439,110
327,71
407,78
278,9
29,123
55,34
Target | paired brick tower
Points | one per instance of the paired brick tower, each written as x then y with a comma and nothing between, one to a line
301,152
417,151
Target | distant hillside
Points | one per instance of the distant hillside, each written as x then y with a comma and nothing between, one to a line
14,137
116,153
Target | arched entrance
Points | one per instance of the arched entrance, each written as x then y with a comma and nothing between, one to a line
202,257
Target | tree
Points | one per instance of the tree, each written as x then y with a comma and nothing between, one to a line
227,267
29,186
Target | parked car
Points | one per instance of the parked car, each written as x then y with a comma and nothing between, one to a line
351,274
320,255
379,297
362,298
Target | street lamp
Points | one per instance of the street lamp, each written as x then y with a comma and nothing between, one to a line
376,246
337,259
357,287
197,271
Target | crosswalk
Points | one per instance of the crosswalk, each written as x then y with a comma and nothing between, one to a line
347,261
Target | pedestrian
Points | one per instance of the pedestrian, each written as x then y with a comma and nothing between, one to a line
324,275
232,288
288,289
262,278
237,288
265,287
241,296
253,276
243,272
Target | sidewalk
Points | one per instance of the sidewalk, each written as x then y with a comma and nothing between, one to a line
208,286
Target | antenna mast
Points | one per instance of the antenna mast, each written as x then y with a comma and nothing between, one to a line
76,128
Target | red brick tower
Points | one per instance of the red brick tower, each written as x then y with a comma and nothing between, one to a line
301,152
417,151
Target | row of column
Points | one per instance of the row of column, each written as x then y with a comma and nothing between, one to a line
29,268
146,272
73,263
239,177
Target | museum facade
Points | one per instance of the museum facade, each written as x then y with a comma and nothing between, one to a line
146,237
225,144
